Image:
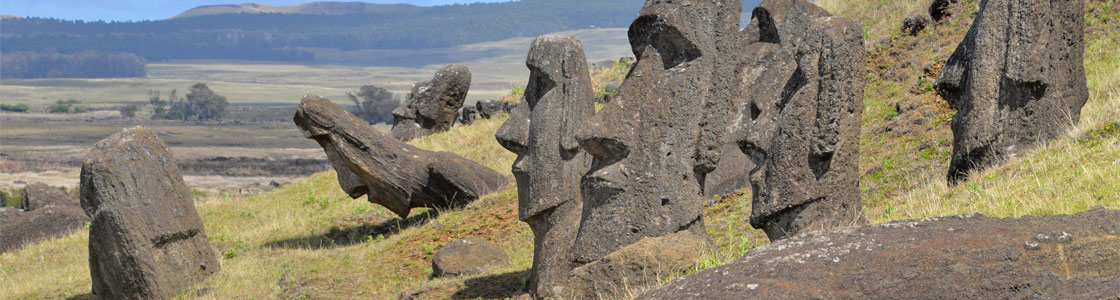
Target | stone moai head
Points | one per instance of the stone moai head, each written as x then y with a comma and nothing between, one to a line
542,131
644,180
802,75
433,105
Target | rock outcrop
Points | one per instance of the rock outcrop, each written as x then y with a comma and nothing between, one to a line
433,106
468,256
638,265
491,108
658,138
20,228
802,76
1016,80
961,257
38,195
391,173
541,129
146,240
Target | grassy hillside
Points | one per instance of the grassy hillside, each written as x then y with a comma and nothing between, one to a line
308,240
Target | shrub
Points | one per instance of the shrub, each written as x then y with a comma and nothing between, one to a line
20,107
374,104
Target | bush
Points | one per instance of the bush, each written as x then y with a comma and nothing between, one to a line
205,104
374,104
67,106
14,107
129,111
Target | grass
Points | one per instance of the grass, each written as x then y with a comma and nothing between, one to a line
328,246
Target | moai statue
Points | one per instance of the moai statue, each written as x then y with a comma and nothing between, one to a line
653,143
802,74
433,105
541,130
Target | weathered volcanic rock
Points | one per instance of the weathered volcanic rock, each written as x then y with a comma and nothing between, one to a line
541,129
468,256
19,228
146,240
732,173
433,105
803,79
391,173
653,144
490,109
916,22
39,195
939,9
641,264
1017,79
961,257
467,115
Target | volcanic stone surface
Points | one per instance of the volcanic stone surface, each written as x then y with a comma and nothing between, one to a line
1017,79
20,228
959,257
433,106
542,129
38,195
146,240
637,265
391,173
802,76
468,256
653,143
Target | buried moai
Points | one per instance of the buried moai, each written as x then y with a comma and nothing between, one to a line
433,105
542,131
653,144
146,240
802,75
391,173
1017,79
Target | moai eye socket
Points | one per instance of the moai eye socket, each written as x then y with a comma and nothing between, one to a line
673,47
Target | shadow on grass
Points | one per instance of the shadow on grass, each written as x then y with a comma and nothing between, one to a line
498,286
354,235
86,296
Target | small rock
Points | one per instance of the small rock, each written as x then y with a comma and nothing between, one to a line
468,256
490,109
915,23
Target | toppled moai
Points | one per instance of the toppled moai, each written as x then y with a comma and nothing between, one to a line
1016,80
47,213
146,240
542,129
802,76
389,172
653,144
432,106
957,257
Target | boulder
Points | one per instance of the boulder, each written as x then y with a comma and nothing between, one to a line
1017,79
38,195
391,173
433,106
541,130
146,240
939,9
20,228
638,265
916,22
731,175
660,135
490,109
468,256
960,257
802,77
467,115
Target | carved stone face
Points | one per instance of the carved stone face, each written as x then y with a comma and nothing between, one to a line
643,181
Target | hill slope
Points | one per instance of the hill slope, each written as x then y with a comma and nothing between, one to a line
309,239
313,8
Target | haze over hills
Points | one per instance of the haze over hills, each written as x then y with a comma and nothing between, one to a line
312,8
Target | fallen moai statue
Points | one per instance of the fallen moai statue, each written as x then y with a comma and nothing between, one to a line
146,240
802,76
541,129
958,257
389,172
1016,80
432,106
48,213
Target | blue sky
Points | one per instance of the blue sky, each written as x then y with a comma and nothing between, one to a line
134,10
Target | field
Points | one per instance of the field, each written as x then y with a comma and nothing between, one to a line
308,240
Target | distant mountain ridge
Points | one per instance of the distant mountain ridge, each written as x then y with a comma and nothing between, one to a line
311,8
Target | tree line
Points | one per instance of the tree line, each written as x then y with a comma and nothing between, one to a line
281,37
201,104
87,64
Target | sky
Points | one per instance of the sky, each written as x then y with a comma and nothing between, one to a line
136,10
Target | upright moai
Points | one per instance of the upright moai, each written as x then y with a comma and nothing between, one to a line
146,240
803,79
1016,80
542,129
